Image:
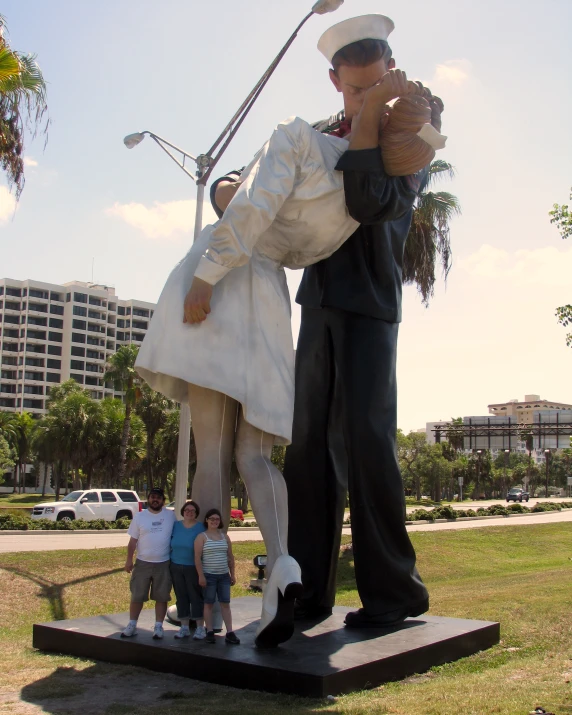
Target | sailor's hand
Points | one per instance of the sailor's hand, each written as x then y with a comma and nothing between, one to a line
437,107
420,90
393,84
198,301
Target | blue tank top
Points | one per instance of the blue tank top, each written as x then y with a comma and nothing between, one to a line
183,543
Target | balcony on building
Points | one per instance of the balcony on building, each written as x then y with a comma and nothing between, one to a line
12,307
14,291
38,294
33,404
34,307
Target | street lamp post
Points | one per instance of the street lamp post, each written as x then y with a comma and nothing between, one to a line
506,458
547,460
205,163
479,455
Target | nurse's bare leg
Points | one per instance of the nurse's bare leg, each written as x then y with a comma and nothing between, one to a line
213,417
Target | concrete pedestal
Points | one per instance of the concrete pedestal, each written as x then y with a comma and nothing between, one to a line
321,659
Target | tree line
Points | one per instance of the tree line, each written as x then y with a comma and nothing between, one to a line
434,469
82,443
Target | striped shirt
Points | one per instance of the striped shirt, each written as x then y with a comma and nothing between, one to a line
215,556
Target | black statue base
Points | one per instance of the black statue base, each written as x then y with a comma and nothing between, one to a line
323,659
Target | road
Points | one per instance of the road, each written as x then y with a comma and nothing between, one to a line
10,543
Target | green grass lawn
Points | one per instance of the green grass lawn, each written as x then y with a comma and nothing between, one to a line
25,500
518,575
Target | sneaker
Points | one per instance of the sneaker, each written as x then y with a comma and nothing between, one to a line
209,638
200,633
183,632
130,630
232,638
158,632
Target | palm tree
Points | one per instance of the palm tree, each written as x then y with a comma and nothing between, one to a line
8,426
152,407
107,466
428,240
23,106
44,447
25,426
121,372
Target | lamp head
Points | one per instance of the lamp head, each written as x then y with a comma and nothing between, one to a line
323,6
132,140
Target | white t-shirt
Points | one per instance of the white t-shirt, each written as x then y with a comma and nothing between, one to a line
153,534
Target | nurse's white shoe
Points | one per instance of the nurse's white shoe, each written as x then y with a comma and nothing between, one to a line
283,588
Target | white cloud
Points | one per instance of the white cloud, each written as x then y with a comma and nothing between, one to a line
548,266
7,204
28,161
162,220
453,72
450,73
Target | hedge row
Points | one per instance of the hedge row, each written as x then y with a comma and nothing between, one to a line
448,512
21,522
17,522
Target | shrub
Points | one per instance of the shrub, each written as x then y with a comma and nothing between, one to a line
422,515
471,512
14,522
122,523
235,522
546,506
44,524
498,510
517,508
445,512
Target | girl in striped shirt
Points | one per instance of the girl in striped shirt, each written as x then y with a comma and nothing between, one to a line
214,561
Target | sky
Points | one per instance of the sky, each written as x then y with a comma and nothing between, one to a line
181,68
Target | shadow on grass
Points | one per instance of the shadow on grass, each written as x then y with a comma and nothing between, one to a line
54,592
24,498
124,690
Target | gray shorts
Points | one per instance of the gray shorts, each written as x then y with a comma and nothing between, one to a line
150,576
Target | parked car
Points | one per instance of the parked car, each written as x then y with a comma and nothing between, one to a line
517,494
89,504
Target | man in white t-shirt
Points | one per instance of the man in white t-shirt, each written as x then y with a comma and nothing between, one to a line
150,533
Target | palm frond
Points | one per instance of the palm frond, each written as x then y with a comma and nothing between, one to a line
23,106
438,167
428,241
9,65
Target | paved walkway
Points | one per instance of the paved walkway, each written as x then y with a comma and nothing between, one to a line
107,539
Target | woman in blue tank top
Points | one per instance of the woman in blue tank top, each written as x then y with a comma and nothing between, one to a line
215,567
184,573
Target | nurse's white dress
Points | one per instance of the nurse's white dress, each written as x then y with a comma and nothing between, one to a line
289,212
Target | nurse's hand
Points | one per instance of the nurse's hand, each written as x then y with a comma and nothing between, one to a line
198,301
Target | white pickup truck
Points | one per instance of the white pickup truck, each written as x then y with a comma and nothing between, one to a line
89,504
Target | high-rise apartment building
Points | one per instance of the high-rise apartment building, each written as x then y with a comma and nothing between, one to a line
51,333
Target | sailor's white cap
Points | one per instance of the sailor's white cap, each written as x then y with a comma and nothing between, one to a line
364,27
